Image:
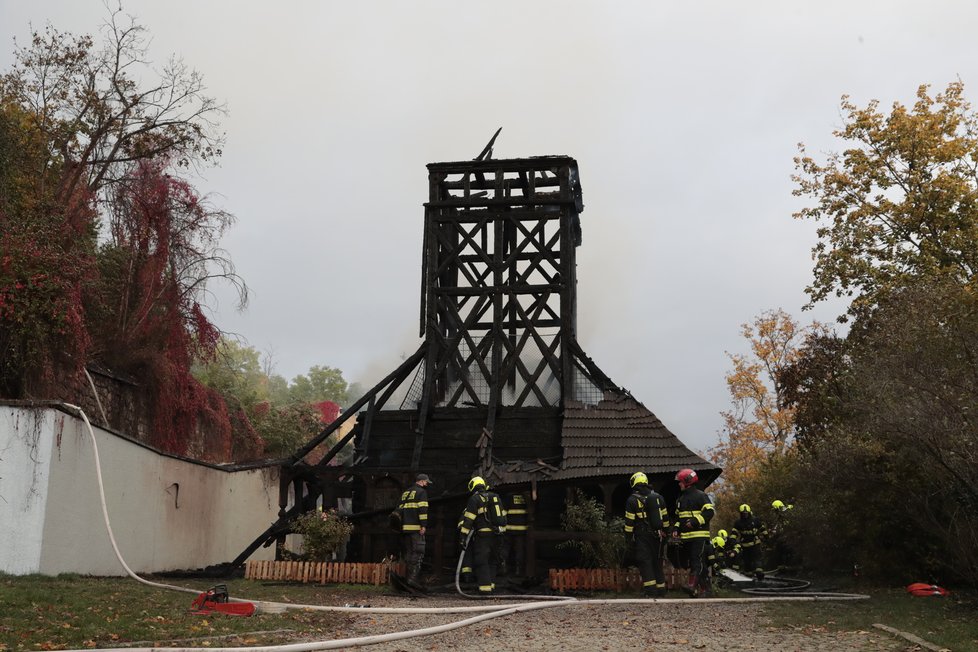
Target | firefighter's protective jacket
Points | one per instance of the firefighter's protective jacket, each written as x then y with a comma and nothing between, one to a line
694,509
712,556
749,530
645,509
477,516
414,509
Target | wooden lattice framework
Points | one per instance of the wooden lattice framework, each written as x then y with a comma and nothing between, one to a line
499,285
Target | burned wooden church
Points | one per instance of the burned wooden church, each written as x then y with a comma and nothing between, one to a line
500,385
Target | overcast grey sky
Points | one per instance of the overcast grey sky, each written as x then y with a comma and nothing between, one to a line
683,116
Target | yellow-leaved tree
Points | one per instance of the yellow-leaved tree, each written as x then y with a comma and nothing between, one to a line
761,422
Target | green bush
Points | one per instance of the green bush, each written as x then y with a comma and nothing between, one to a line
323,532
585,514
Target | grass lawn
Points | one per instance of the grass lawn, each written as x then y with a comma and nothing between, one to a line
69,611
950,622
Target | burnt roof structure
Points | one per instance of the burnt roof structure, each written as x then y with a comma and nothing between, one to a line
499,385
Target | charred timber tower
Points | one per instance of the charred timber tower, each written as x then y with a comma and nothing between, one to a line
499,384
499,292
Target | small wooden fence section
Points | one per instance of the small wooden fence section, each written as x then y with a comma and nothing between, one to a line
321,572
607,579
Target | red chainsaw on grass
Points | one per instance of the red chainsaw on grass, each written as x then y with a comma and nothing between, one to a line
217,600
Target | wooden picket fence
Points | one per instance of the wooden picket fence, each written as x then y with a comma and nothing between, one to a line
322,572
607,579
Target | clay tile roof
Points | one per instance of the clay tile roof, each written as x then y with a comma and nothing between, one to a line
619,436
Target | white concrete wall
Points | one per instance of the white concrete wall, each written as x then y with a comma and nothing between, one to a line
166,513
25,444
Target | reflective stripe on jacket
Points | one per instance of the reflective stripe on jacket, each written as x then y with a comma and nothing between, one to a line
693,513
749,530
516,516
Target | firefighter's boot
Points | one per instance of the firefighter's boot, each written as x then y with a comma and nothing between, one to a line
706,588
413,573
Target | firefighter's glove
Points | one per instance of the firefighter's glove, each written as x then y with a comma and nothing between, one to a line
690,524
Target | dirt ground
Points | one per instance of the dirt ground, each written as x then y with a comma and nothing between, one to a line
664,625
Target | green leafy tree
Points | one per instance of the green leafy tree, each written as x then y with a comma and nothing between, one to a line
319,384
284,428
236,372
265,406
278,389
915,376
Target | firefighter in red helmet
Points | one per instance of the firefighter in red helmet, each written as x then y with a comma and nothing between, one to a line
694,509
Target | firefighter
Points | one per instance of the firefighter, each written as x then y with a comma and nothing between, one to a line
711,566
750,531
485,518
694,509
727,550
514,541
731,546
781,555
780,508
414,521
645,521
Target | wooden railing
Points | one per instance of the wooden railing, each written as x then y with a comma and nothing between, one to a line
608,579
322,572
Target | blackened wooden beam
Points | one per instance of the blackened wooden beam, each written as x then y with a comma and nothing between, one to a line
537,163
398,373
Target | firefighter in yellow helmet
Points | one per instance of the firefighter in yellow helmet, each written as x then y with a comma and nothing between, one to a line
485,518
780,554
750,532
646,520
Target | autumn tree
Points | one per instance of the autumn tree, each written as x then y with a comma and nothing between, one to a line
47,256
761,423
107,250
102,108
146,313
901,201
899,234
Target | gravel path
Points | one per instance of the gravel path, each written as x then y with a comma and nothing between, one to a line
730,627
